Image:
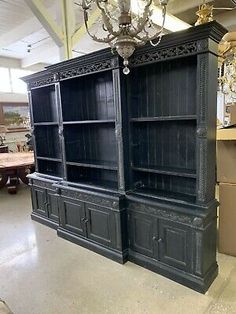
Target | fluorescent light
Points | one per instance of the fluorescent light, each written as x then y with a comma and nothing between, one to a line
172,23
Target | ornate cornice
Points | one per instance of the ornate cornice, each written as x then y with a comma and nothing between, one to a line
43,81
82,69
165,53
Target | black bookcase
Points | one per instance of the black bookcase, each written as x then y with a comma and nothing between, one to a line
125,165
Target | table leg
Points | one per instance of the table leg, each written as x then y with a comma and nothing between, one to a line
3,179
14,181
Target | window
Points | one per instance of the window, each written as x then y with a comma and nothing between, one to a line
10,81
5,84
18,86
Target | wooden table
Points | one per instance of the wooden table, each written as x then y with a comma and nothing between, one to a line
15,166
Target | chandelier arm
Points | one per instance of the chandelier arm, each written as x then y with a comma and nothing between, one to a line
107,39
143,20
106,20
159,35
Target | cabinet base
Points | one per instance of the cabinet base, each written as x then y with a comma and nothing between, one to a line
196,283
120,257
45,221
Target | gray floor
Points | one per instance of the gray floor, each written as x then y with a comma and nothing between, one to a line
43,274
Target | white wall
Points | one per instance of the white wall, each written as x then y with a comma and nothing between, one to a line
13,97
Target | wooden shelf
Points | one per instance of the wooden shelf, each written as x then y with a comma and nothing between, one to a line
49,159
94,164
88,122
164,195
101,184
45,123
167,171
164,118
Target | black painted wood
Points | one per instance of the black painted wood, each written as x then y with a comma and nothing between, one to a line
130,161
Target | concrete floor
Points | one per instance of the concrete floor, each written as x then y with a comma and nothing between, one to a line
43,274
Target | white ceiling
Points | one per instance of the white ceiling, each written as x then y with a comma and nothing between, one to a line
19,28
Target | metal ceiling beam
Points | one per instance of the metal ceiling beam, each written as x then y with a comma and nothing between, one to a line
68,26
45,18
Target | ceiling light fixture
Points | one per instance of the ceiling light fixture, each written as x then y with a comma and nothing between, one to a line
127,24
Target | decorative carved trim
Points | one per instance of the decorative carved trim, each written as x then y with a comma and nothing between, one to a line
198,222
202,45
203,86
91,199
203,77
166,53
168,214
44,81
78,70
42,184
202,184
202,131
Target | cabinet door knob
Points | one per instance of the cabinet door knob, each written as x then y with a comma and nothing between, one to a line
160,240
154,238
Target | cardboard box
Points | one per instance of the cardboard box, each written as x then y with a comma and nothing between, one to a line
226,134
226,161
227,219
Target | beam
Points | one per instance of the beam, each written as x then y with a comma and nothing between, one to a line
82,30
46,20
68,26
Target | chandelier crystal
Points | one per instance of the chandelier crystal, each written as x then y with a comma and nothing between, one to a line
126,25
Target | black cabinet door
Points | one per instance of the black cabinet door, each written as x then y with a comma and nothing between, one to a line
143,234
52,206
39,201
174,244
72,216
100,225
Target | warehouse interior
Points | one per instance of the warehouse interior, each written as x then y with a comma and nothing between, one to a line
117,156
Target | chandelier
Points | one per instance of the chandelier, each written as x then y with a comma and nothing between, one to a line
126,24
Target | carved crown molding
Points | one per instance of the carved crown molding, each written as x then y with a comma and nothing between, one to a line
78,70
46,80
165,53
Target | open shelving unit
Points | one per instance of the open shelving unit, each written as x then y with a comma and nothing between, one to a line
163,129
89,130
46,126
